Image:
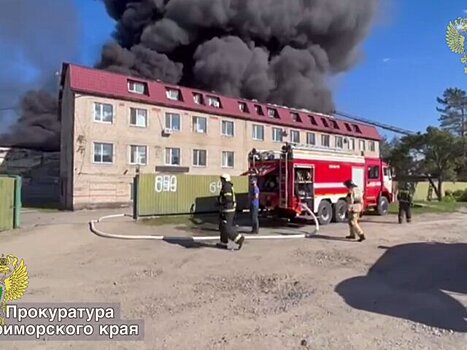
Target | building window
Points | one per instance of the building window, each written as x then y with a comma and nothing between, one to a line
103,153
296,117
137,87
258,132
173,94
313,120
103,112
199,157
325,140
277,135
200,125
138,155
228,128
310,138
356,129
273,113
198,98
339,142
228,159
138,117
334,124
372,146
294,136
172,156
352,144
259,110
347,126
362,145
172,121
214,101
325,122
242,106
373,173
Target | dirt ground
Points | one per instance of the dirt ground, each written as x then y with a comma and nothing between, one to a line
405,287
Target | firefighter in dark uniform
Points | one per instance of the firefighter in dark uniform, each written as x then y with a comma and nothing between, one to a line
405,199
228,206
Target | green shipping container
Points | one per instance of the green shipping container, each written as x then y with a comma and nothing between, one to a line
166,194
10,202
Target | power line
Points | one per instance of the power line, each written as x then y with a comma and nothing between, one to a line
377,124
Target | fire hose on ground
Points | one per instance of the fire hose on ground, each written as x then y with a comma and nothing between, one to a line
101,233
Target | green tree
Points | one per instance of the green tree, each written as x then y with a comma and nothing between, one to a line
453,111
436,153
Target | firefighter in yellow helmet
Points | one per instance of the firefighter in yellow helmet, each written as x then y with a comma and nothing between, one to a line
354,211
227,202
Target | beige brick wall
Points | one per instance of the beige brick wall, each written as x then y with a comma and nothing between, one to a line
97,183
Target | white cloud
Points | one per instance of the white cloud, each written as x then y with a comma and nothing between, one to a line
386,60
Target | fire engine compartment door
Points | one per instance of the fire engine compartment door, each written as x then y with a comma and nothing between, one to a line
358,177
304,179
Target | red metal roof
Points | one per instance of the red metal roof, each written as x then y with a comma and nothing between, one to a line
108,84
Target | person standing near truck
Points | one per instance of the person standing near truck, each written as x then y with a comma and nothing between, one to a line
254,206
405,199
354,211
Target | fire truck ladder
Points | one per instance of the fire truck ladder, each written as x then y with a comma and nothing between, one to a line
373,123
284,177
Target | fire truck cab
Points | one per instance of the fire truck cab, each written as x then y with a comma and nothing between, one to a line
301,178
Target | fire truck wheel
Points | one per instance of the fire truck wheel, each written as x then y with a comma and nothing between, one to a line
324,212
383,206
340,211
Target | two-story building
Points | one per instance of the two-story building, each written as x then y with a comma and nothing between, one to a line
112,125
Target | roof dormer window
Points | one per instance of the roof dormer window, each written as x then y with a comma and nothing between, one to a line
198,98
242,106
313,120
259,110
273,113
334,124
325,122
296,117
137,87
356,129
214,101
173,94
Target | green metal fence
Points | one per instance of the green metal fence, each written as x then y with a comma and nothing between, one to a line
182,194
10,202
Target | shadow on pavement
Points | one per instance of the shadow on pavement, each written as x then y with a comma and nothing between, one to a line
411,282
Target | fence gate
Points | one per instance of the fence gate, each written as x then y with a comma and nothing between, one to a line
168,194
10,202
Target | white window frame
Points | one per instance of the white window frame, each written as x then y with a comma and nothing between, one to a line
372,146
351,144
336,138
291,136
195,124
360,143
214,101
177,97
132,84
328,138
281,132
101,110
308,138
170,115
233,128
170,150
146,119
198,157
255,128
94,152
137,155
222,159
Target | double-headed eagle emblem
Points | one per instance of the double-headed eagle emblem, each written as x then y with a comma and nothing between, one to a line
14,280
455,38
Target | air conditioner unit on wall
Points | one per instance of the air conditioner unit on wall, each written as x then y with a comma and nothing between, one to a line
168,131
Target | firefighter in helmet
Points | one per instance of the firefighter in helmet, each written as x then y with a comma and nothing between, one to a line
405,199
354,210
228,205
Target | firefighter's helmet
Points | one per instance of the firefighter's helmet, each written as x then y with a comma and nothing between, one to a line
350,184
226,177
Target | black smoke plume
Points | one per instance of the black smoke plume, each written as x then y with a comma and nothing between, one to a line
279,51
39,35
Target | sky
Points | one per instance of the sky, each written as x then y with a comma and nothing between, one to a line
405,64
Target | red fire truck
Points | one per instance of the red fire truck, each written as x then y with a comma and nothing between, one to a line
301,178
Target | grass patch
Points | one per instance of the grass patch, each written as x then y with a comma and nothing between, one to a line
429,207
